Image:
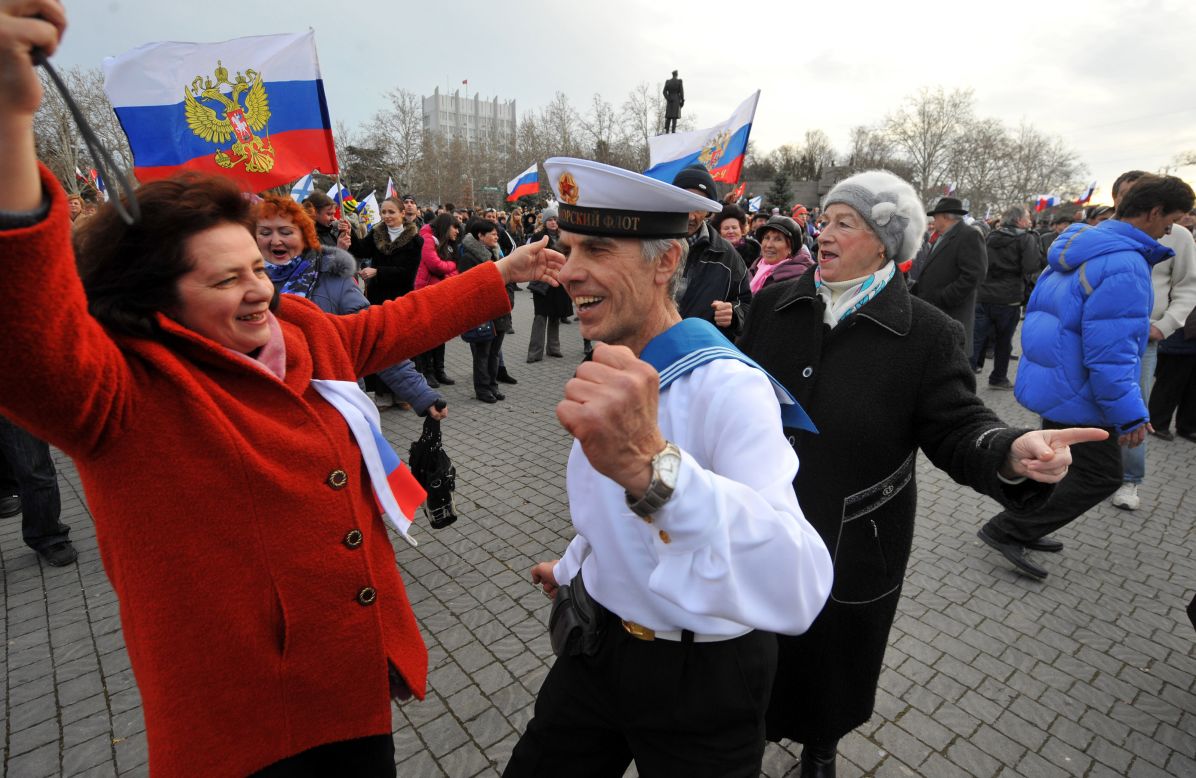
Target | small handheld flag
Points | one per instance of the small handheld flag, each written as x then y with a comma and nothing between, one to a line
302,188
367,210
390,188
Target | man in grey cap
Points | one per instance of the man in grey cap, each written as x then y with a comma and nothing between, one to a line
682,507
715,284
949,275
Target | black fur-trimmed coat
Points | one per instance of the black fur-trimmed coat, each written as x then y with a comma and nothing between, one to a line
396,261
887,381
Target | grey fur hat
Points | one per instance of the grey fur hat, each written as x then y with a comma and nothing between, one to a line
548,213
890,206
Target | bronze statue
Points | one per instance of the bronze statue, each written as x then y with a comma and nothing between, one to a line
674,95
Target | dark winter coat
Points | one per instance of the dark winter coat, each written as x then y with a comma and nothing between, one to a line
952,274
1014,260
749,250
474,253
714,271
396,261
674,95
548,300
890,379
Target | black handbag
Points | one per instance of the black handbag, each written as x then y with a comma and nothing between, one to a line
576,623
483,333
435,472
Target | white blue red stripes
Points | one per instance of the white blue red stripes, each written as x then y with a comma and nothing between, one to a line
526,183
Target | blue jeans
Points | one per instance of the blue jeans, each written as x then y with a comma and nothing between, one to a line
1133,460
27,469
1001,321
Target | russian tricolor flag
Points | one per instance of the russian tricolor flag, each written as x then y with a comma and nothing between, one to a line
526,183
719,148
251,108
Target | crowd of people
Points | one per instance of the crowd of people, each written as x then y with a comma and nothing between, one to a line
747,414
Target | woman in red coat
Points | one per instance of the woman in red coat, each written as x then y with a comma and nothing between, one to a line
264,615
436,263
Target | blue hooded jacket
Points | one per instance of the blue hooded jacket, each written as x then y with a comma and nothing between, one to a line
1086,327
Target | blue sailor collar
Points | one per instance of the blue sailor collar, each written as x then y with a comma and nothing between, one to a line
692,343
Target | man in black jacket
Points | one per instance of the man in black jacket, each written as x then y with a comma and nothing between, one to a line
714,286
948,275
1014,257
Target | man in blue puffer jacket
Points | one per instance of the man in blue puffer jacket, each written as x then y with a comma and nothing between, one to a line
1082,344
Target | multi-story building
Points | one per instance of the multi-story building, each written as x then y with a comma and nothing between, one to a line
472,119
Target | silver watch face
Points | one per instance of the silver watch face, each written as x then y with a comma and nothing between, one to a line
668,467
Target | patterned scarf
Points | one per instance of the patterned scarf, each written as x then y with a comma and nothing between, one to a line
297,277
854,297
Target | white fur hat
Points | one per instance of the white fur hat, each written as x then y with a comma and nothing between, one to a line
889,205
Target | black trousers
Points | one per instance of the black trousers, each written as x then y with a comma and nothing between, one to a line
1095,473
1174,392
431,361
999,322
363,757
485,364
676,708
27,469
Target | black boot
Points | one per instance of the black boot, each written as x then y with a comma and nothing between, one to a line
818,760
505,378
438,369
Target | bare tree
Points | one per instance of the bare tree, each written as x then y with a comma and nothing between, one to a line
561,126
1036,163
398,130
817,155
59,143
924,130
978,164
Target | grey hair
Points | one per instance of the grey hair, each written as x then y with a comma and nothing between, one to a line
1014,214
654,249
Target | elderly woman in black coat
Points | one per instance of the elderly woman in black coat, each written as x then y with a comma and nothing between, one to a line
882,374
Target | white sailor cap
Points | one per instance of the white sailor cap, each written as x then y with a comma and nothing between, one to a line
598,199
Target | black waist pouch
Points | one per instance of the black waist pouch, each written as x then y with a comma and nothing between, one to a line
576,622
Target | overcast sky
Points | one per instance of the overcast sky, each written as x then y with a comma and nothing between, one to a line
1116,80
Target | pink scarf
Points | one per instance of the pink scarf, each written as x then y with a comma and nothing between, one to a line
762,273
273,356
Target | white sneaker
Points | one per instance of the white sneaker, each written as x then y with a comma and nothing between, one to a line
1127,497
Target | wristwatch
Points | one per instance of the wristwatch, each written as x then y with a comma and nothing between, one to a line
665,468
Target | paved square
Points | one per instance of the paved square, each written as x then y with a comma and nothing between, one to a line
1092,673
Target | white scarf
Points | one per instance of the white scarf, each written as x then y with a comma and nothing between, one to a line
847,297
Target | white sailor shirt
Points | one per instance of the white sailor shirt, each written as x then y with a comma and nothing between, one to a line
731,550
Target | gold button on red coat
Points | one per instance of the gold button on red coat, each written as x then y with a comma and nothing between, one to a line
367,596
337,479
353,538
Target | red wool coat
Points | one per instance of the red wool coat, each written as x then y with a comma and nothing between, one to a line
219,510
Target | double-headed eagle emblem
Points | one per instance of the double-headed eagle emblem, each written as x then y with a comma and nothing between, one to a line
240,122
714,148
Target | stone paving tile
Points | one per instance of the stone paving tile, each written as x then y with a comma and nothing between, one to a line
1092,672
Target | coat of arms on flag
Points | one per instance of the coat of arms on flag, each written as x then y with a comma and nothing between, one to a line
713,149
203,119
